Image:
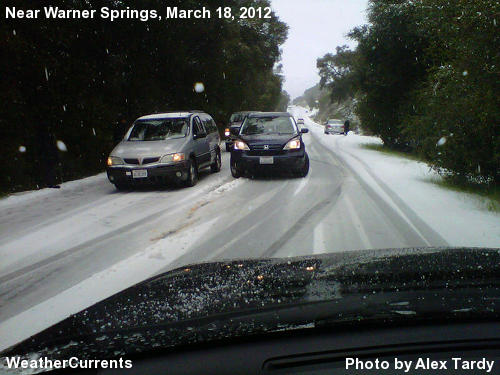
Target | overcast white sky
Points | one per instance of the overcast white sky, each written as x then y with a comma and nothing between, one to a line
316,28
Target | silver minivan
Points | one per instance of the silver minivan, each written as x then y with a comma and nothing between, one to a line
165,147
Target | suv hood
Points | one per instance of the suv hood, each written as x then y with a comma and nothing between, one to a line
142,149
265,139
226,300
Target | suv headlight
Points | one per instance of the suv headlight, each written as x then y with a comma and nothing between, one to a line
172,158
293,144
114,160
240,145
227,133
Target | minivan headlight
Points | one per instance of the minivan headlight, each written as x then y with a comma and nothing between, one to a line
172,158
114,160
240,145
293,144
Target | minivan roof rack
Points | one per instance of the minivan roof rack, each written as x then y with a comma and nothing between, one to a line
182,111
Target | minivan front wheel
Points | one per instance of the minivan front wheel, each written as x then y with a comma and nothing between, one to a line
192,177
215,167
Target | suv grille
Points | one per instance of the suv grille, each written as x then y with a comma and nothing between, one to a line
261,150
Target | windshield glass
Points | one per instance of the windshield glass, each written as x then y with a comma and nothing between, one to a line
236,117
159,130
268,125
335,122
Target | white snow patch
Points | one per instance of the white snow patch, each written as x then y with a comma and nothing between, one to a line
460,218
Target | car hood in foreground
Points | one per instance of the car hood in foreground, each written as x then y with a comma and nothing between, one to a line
226,300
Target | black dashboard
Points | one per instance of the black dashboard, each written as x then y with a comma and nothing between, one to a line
432,349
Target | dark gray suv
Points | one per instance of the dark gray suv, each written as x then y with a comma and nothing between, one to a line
164,147
269,141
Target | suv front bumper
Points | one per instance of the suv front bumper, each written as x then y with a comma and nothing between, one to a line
289,161
157,173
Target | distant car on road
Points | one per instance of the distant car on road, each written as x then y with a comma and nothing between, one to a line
300,121
166,146
334,126
231,132
269,140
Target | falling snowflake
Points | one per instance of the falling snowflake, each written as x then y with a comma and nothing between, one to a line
61,146
441,142
199,87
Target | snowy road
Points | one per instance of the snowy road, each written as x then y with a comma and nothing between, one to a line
87,241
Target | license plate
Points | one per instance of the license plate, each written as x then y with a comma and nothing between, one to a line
266,160
140,173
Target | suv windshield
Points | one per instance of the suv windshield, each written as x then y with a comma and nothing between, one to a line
236,117
268,125
159,130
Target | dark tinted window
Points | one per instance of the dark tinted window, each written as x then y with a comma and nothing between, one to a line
197,126
209,124
237,117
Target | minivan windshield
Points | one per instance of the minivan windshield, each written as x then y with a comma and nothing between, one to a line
159,130
268,125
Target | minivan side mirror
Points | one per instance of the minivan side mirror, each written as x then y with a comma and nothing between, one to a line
304,130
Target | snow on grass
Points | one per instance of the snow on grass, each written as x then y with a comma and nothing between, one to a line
456,216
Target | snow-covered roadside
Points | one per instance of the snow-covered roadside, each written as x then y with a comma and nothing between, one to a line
459,218
26,196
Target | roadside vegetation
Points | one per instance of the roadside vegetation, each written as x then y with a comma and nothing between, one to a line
83,82
320,98
425,79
